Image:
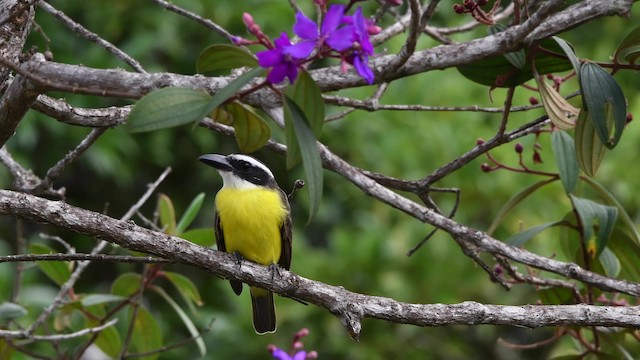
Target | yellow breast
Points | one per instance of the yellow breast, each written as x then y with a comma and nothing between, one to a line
251,221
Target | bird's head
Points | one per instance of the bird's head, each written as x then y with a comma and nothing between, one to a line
240,171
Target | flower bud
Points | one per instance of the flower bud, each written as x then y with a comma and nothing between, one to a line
312,355
482,2
458,9
247,19
534,100
629,117
469,4
537,159
519,148
479,141
485,167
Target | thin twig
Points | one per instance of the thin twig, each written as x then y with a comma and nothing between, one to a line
84,257
58,337
195,17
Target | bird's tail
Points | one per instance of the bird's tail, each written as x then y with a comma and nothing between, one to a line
264,312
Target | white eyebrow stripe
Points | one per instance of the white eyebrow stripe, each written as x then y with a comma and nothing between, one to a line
252,161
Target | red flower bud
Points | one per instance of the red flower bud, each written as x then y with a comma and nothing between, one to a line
469,4
629,117
485,167
533,100
479,141
519,148
459,9
482,2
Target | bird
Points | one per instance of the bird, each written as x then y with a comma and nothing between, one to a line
253,221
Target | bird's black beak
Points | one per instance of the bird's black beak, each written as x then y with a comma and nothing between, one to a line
217,161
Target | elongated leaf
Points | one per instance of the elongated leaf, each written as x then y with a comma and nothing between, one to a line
307,95
592,214
58,271
192,211
126,284
252,132
565,153
202,237
98,299
603,98
571,55
589,149
185,287
516,58
309,150
167,107
228,91
185,320
627,251
609,262
521,238
556,296
9,310
611,200
515,201
222,57
220,115
167,214
146,335
108,340
629,47
561,113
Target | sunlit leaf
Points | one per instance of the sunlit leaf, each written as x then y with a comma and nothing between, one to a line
521,238
185,320
593,214
609,262
185,287
167,107
167,214
203,237
146,335
603,98
561,113
565,154
58,271
515,201
311,161
126,284
252,132
629,47
222,57
9,310
589,149
228,91
190,213
97,299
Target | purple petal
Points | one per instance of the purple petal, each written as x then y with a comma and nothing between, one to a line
300,50
366,46
277,74
300,355
341,39
280,354
360,63
332,19
304,27
292,72
282,41
269,58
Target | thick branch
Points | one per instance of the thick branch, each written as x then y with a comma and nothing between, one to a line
350,307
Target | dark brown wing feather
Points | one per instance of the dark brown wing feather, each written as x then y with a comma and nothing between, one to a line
285,235
235,284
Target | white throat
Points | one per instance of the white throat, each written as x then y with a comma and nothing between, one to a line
231,181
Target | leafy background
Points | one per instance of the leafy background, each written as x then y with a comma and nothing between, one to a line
354,241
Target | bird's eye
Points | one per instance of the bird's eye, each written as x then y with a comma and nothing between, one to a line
245,166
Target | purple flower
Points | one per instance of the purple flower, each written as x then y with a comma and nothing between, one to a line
362,47
338,39
280,354
283,64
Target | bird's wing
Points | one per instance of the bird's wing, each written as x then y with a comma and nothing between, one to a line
285,235
235,284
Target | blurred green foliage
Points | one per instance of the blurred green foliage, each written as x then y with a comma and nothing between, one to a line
354,241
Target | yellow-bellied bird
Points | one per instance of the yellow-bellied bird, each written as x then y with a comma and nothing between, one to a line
253,220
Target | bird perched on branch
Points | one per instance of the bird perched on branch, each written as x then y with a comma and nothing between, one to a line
252,221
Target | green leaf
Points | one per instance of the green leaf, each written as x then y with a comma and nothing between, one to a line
571,55
609,262
185,287
589,149
190,213
521,238
126,284
629,47
308,149
591,214
516,58
307,95
609,199
202,237
167,107
108,340
146,335
167,214
97,299
230,90
556,296
222,57
9,310
628,252
58,271
565,154
497,71
185,319
515,201
252,132
603,98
